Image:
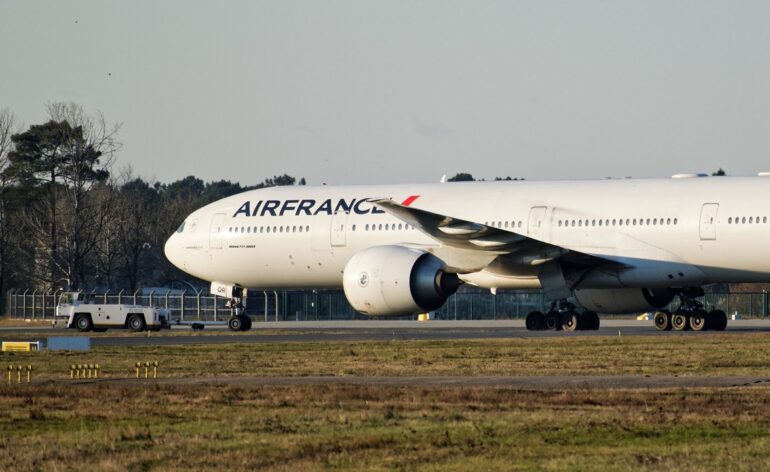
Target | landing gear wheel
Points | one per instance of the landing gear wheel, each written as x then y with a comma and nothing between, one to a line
698,320
84,323
680,322
235,323
591,321
570,321
535,321
718,320
662,320
239,323
553,321
136,323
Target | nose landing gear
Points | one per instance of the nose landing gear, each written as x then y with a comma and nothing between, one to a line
236,301
239,321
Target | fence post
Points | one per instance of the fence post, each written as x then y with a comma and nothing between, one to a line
198,303
216,308
264,292
181,305
275,292
34,305
105,296
120,297
24,304
45,295
135,292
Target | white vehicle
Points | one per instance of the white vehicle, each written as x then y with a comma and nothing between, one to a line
608,246
74,311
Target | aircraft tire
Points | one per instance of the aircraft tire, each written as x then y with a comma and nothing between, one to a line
535,321
662,320
552,321
591,321
699,320
246,323
680,322
718,320
571,321
235,323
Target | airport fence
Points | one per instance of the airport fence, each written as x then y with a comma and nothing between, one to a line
294,305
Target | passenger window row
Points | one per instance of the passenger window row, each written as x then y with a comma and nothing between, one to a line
503,224
268,229
387,227
618,222
742,220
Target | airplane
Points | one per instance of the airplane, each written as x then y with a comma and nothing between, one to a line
593,246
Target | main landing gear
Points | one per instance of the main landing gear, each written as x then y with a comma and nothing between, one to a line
691,315
562,316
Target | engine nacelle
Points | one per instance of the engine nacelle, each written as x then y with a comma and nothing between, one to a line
624,300
395,280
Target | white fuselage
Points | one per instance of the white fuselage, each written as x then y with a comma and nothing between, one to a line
695,230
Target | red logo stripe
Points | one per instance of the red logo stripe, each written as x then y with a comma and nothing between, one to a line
410,200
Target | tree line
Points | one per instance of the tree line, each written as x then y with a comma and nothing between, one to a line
69,220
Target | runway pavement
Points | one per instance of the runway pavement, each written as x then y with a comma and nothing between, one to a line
375,330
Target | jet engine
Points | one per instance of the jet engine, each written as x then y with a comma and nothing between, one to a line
395,280
624,300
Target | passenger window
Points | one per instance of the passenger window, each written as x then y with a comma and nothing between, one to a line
675,221
268,229
300,229
307,228
751,219
600,222
743,220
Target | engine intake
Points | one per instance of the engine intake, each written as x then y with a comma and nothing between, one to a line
395,280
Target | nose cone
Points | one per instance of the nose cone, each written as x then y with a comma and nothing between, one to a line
173,251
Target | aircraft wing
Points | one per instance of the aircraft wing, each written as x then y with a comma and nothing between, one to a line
471,236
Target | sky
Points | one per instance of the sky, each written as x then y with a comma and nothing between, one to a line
364,92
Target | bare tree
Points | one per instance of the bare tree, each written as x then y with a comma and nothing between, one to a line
87,169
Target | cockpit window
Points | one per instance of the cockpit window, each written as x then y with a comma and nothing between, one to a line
181,227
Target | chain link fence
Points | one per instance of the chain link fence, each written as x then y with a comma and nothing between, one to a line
294,305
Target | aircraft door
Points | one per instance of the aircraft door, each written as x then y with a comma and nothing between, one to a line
708,221
536,225
215,232
339,231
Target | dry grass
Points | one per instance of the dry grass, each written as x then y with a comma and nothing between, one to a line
57,425
670,355
109,427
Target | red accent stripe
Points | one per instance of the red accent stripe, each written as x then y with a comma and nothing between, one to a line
410,200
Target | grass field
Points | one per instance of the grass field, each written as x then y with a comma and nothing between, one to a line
54,424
